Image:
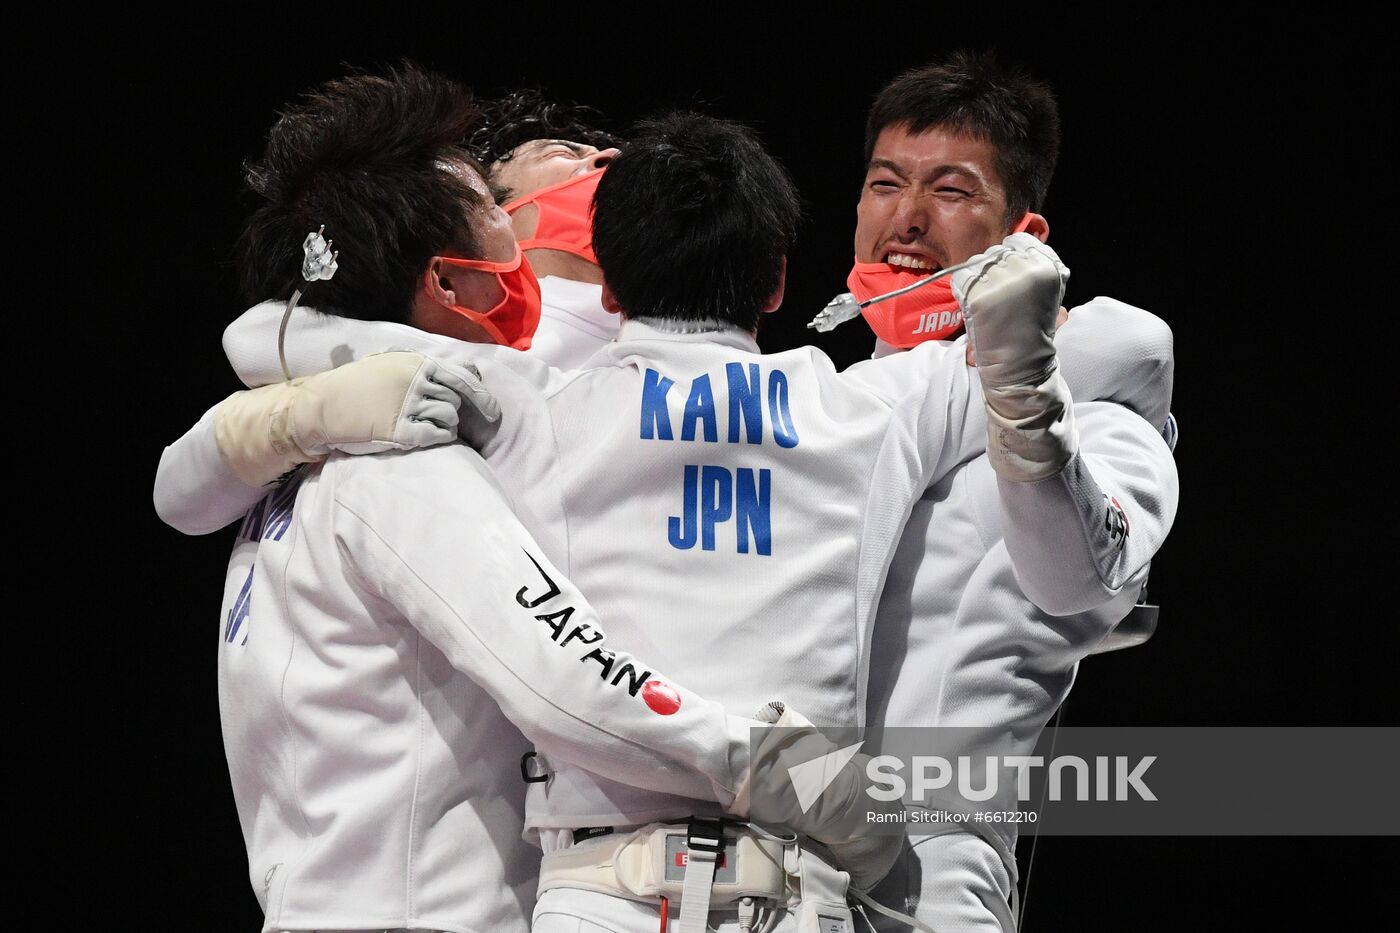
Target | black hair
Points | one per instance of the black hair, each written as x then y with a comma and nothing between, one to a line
693,221
377,160
527,114
975,94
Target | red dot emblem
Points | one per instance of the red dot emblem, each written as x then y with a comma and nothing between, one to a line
661,697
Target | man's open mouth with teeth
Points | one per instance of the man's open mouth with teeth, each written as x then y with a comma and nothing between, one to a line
912,262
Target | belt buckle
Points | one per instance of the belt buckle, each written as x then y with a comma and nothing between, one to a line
705,836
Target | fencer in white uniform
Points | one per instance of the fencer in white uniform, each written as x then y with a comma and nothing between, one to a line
543,159
369,676
976,629
367,669
958,643
545,183
332,356
824,486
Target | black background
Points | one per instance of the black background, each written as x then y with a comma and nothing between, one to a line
1233,175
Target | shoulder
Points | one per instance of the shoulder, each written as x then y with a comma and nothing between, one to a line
1110,316
504,369
433,475
913,371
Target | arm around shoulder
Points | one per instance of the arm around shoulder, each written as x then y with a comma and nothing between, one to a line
196,491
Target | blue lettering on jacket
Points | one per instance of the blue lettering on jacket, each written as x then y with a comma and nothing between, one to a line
700,417
700,407
681,531
716,502
270,518
238,613
712,496
784,431
655,416
745,402
753,510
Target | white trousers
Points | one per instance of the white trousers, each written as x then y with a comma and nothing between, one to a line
955,882
565,910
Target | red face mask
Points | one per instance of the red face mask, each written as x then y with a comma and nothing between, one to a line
565,216
927,313
513,320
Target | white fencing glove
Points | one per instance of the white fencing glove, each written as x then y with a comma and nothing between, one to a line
1010,301
837,816
385,401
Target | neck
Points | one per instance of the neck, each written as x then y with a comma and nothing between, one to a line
684,326
564,265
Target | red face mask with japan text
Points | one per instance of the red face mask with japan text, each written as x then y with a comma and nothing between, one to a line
927,313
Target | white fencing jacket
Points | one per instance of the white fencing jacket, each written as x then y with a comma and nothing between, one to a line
980,626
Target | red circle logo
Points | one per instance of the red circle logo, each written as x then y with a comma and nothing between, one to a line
661,697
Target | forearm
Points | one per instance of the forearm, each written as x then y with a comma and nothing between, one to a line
484,594
317,342
196,492
1077,538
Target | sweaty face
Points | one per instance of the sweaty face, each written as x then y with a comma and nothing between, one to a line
540,163
494,235
491,225
471,288
930,200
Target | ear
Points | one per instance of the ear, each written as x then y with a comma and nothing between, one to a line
610,302
435,286
776,298
1036,225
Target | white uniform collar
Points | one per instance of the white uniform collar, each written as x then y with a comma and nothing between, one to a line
581,298
712,332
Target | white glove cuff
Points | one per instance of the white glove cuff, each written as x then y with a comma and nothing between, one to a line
252,431
1030,429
